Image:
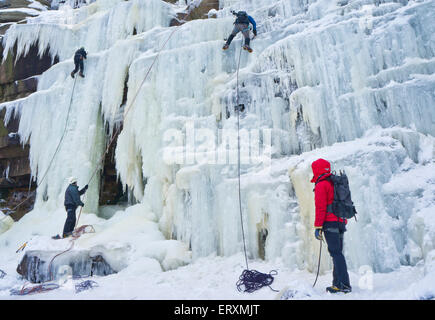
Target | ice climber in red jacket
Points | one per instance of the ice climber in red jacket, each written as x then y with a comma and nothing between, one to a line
330,225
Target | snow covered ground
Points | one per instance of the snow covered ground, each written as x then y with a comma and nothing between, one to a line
151,267
214,278
349,81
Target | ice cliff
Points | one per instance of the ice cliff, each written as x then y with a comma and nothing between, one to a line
349,81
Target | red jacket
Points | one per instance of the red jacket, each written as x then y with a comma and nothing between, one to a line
323,192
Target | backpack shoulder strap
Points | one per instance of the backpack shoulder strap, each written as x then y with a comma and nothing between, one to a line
317,180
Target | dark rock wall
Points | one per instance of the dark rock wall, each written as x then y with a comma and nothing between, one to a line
194,13
17,80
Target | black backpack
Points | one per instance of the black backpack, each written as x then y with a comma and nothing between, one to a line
242,17
342,206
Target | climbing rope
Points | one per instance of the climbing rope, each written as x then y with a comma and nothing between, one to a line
35,289
81,230
128,108
55,152
75,235
77,232
251,280
85,285
238,157
51,286
52,259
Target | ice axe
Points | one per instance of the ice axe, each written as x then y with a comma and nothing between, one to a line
22,247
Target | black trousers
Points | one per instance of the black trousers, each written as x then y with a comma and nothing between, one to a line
78,64
70,222
334,234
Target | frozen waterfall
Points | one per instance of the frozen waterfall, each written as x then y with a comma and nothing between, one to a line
349,81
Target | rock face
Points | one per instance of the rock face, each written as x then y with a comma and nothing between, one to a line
18,79
19,10
35,265
194,13
21,74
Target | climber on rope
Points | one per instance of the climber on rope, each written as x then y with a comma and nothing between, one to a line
72,201
330,225
242,25
79,56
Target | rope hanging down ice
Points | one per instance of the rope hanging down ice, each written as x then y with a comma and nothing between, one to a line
55,152
128,108
250,280
77,231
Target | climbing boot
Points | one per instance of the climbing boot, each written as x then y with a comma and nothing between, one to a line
334,289
247,48
72,74
225,47
81,74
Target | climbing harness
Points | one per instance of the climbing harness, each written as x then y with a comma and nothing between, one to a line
318,265
250,280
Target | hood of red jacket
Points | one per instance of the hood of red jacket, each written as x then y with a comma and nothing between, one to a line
320,166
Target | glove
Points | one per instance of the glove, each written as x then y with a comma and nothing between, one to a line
255,32
82,204
318,234
86,187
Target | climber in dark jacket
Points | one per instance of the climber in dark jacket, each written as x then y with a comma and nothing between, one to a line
72,201
242,25
330,225
79,56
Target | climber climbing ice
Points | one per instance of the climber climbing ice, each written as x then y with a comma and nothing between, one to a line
79,56
242,25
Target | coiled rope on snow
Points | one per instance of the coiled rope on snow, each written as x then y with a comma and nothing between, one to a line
35,289
250,280
85,285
